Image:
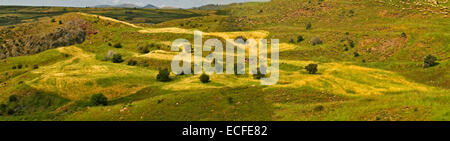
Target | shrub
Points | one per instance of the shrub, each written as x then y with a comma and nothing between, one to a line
319,108
403,35
14,67
143,64
300,38
204,78
60,22
2,108
35,66
430,61
311,68
143,49
118,45
351,13
351,43
13,98
163,75
291,41
230,100
308,26
99,99
53,20
19,66
355,54
132,63
117,58
316,41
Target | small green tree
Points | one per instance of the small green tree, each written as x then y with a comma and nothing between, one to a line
403,35
2,108
118,45
163,75
132,62
117,58
143,49
308,26
430,61
13,98
204,78
99,99
311,68
355,54
300,38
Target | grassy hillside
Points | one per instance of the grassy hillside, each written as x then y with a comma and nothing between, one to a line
385,81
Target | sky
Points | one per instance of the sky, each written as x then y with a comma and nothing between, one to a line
84,3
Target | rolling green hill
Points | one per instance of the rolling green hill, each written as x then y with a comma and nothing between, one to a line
370,64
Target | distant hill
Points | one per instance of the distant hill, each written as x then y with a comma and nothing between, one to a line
210,7
125,6
150,6
117,6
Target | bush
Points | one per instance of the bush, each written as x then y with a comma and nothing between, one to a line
204,78
2,108
430,61
14,67
99,99
143,49
403,35
19,66
291,41
351,43
163,75
230,100
308,26
319,108
117,58
316,41
355,54
35,66
311,68
53,20
300,38
13,98
132,63
118,45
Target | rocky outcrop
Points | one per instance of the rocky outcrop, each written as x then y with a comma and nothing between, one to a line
19,44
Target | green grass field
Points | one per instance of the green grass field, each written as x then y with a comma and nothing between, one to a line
385,81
